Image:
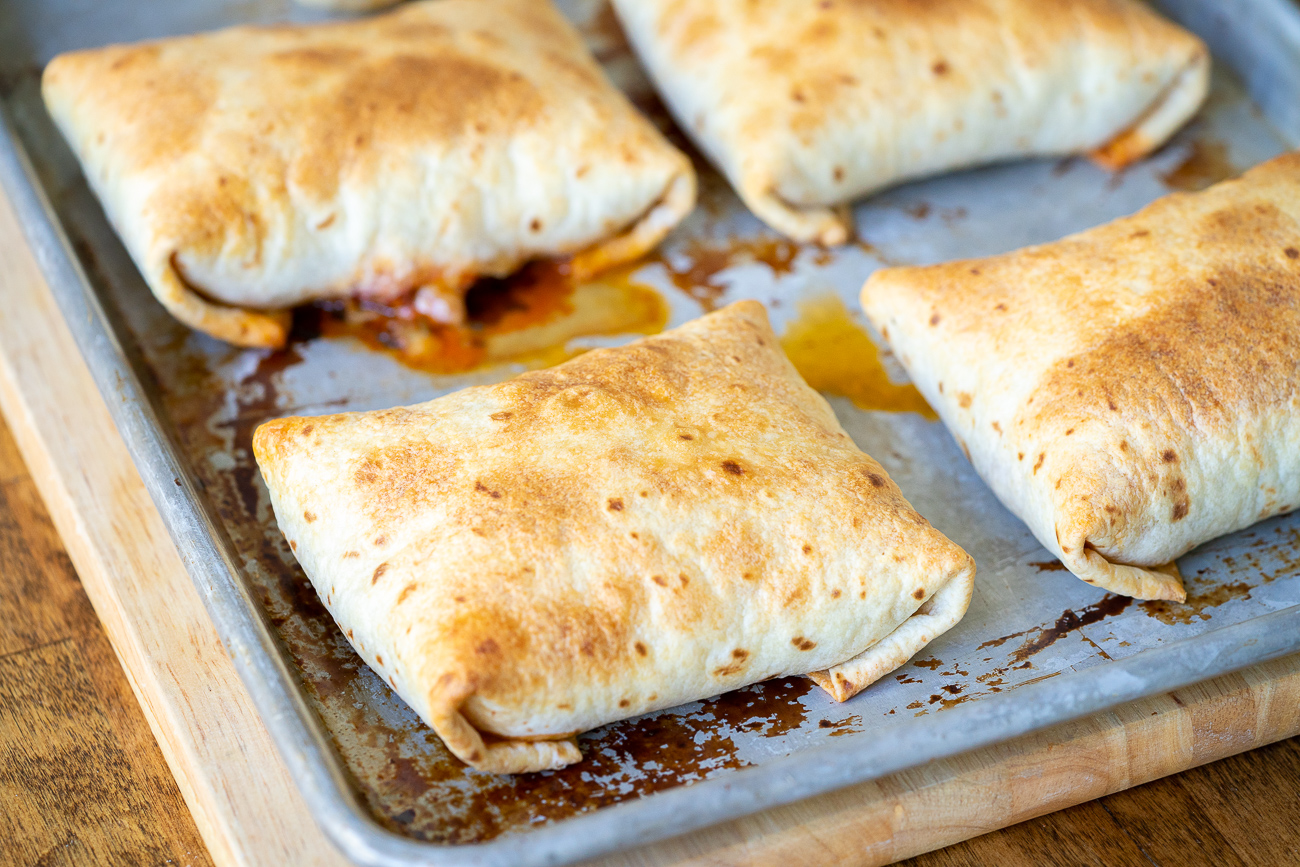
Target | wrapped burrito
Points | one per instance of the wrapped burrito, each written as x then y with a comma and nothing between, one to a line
806,105
1131,391
634,529
255,169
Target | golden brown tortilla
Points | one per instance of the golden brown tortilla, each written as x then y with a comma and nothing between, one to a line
254,169
1131,391
635,529
805,105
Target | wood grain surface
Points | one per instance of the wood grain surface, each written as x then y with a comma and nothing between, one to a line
84,768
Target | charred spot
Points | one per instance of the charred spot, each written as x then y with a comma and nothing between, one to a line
293,545
535,225
934,319
406,591
1180,509
733,468
1042,456
379,573
685,436
640,649
1123,445
1020,456
500,416
1070,363
807,549
458,599
615,504
940,67
487,647
379,658
381,541
622,702
306,431
963,399
1292,253
1000,307
684,580
835,594
803,643
309,516
1169,456
1111,405
660,580
1069,431
587,648
876,480
739,654
918,593
838,173
484,489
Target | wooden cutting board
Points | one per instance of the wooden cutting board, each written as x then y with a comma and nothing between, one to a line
247,807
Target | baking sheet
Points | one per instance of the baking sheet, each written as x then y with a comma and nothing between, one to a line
1029,621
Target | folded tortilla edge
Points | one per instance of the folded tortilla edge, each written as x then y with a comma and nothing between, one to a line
941,612
677,201
239,326
1172,108
824,225
503,756
1163,582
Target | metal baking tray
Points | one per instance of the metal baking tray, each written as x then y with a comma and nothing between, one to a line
1037,647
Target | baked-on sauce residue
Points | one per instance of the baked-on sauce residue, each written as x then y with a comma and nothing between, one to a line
836,355
1043,637
622,761
529,317
695,268
1206,164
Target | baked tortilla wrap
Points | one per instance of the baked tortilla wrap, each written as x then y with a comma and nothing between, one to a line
1131,391
805,105
634,529
254,169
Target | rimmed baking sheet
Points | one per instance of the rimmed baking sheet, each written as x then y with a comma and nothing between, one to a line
1037,646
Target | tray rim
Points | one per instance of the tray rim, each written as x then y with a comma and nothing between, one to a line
306,747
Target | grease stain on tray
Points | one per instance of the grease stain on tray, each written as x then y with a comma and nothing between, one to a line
696,267
834,354
628,759
1042,637
1206,164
